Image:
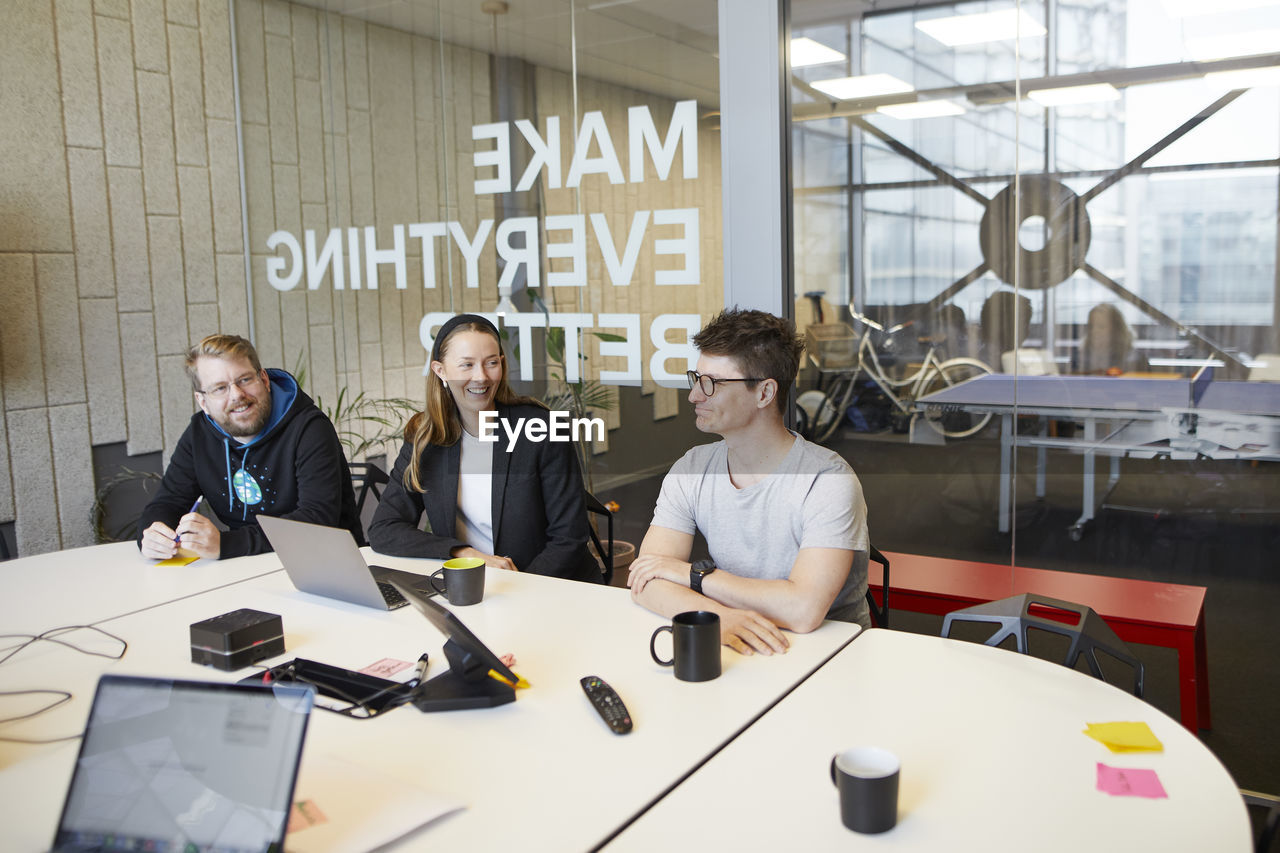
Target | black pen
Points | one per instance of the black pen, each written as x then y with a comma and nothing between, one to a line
422,668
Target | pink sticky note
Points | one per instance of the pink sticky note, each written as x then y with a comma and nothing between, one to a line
1129,782
386,667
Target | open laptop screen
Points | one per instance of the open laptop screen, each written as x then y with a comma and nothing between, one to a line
176,765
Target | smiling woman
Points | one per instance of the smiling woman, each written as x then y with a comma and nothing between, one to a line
447,471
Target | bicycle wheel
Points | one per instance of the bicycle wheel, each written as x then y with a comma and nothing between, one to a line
825,409
954,421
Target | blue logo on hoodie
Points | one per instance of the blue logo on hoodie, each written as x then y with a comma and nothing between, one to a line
247,488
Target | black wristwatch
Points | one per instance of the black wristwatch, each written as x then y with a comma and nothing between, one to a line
699,570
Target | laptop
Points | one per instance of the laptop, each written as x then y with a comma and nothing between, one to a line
170,765
325,561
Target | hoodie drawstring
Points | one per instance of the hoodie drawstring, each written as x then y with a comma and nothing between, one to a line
231,489
232,493
244,513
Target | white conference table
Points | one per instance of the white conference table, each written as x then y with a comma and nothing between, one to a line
543,773
82,586
992,754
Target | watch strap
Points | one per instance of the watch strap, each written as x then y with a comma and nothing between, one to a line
699,570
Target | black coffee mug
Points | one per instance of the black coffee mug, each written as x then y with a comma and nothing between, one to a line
695,641
867,778
460,580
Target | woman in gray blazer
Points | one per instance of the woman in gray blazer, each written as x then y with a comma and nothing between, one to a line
518,508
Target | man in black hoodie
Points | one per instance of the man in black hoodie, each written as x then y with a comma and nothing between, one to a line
258,445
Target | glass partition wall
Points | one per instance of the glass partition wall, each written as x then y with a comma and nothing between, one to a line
1083,197
553,164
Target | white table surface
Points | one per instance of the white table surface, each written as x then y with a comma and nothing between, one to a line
543,773
82,586
992,754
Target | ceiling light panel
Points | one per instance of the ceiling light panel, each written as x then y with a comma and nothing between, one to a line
866,86
805,52
981,27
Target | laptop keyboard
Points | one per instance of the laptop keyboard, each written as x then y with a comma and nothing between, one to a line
392,595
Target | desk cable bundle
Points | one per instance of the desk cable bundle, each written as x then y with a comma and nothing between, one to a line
470,683
61,697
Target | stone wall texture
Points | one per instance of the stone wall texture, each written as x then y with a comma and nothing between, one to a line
123,225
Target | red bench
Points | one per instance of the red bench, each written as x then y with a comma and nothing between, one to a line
1157,614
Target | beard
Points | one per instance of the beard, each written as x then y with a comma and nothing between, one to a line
261,412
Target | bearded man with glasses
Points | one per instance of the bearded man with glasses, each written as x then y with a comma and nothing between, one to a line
784,519
258,445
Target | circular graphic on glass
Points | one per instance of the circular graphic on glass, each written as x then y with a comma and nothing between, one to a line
247,488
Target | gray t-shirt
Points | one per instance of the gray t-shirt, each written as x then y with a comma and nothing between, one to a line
812,500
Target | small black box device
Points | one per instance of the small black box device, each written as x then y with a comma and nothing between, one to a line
236,639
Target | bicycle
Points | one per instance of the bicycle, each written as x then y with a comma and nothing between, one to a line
829,348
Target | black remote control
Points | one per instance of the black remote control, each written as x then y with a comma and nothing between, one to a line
607,704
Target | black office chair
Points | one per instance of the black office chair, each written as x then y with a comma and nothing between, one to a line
1270,824
879,615
367,477
1087,633
606,554
4,548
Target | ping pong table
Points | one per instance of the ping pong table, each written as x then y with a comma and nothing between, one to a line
1177,418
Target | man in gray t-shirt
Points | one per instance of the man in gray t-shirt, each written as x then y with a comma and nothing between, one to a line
784,519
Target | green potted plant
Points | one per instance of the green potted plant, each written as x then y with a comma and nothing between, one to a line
582,398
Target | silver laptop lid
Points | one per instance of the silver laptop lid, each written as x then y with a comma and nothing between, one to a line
170,765
323,560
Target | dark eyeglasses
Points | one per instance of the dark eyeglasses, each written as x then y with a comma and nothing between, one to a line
708,383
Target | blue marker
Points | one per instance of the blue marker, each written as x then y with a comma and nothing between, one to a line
177,540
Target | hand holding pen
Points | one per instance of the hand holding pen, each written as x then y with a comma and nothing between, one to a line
198,534
195,507
161,542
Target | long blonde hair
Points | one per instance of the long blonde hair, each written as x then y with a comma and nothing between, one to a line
439,423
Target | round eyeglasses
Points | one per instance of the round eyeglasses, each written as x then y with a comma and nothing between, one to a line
707,384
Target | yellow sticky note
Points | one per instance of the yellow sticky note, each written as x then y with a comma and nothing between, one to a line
1125,736
497,676
180,560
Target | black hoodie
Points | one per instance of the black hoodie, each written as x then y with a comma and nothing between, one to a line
294,468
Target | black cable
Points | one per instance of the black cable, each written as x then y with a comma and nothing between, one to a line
63,697
325,688
38,741
52,635
356,704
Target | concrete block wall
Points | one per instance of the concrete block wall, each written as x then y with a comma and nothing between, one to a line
122,234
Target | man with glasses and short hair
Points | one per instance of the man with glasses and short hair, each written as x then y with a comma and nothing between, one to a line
784,519
258,445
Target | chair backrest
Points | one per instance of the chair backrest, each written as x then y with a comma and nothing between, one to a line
1029,362
1087,633
1269,830
1266,368
606,553
367,477
879,615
